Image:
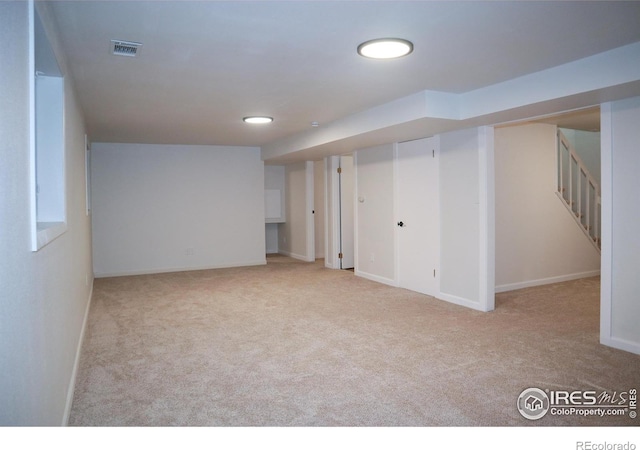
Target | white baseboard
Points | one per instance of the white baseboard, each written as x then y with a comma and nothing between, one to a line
441,296
543,281
376,278
329,265
179,269
296,256
76,363
460,301
621,344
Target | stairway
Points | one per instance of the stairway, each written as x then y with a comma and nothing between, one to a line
578,190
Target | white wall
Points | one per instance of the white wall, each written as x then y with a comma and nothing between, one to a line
159,208
459,209
375,227
271,238
620,285
296,234
45,294
466,218
318,201
537,240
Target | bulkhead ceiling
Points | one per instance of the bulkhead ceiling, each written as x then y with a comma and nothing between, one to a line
204,65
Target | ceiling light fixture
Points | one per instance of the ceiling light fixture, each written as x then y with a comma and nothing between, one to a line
258,119
386,48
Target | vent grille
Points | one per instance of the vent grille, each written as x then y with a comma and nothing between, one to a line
124,48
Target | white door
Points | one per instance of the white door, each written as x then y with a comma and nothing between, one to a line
347,223
417,216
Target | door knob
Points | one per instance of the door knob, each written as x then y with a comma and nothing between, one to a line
401,223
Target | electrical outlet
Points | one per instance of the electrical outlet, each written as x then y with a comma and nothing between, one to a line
372,257
190,251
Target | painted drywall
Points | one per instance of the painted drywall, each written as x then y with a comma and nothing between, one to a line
466,216
587,145
45,294
620,308
271,238
274,180
537,240
459,216
318,201
160,208
375,227
294,235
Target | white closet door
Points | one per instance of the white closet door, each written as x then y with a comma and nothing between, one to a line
417,216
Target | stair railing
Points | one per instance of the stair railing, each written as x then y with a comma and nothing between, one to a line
578,190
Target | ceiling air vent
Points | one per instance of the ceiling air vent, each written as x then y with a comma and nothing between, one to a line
124,48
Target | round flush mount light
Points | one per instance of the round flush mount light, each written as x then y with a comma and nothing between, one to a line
386,48
257,119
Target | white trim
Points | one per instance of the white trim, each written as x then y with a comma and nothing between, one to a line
335,188
396,232
461,301
436,155
188,269
309,216
544,281
49,232
87,175
333,162
65,149
487,218
356,245
621,344
347,220
289,254
606,220
32,128
76,362
376,278
327,229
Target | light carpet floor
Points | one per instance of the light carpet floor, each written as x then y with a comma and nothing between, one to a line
295,344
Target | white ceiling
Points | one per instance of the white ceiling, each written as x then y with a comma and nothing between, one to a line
585,119
204,65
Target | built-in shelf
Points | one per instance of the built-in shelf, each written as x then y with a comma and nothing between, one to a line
273,206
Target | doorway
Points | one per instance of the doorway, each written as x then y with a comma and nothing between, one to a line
339,212
346,181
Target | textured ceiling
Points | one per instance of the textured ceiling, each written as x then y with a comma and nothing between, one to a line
204,65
